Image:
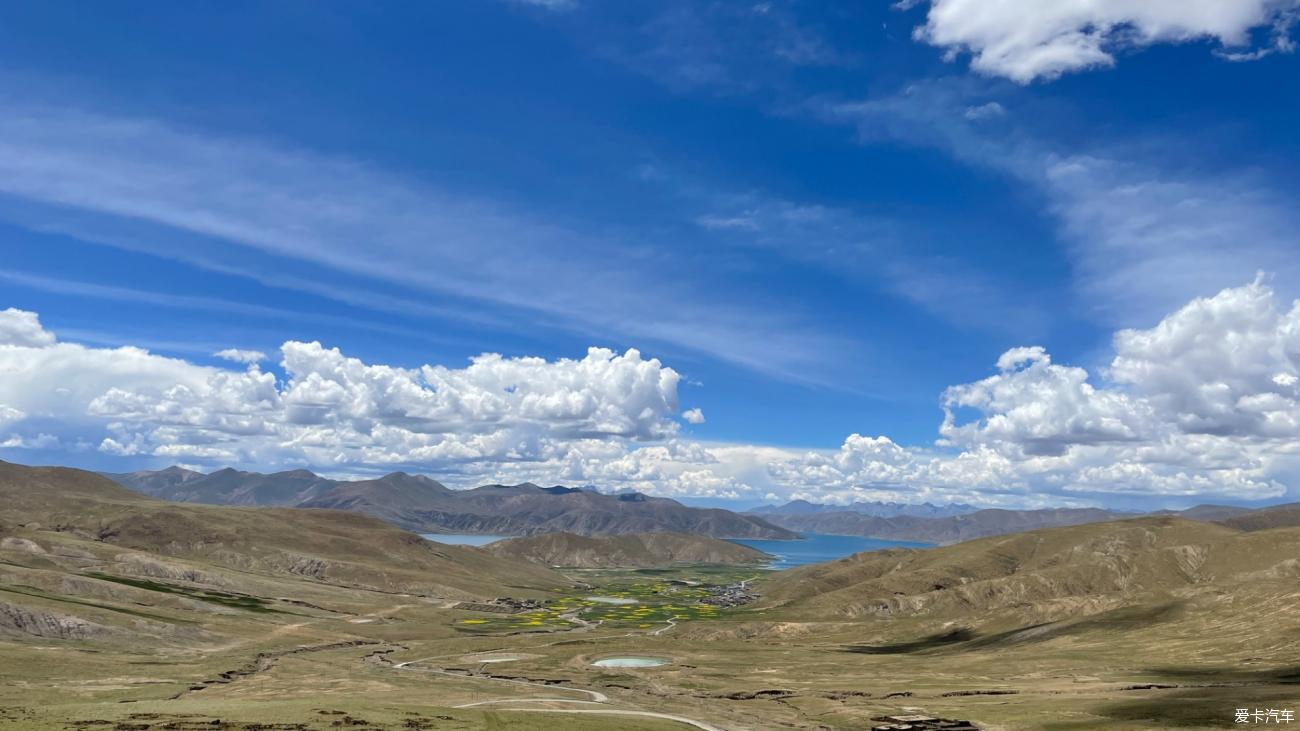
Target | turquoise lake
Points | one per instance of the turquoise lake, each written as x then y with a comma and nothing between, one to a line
813,548
819,547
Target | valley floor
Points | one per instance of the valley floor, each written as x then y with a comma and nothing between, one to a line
304,656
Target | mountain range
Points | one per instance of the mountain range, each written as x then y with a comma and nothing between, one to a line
122,531
965,526
422,504
874,509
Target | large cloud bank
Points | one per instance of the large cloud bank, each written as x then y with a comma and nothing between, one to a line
330,409
1206,404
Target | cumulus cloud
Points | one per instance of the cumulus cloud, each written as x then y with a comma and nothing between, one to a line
1204,403
1222,365
38,441
10,414
1040,407
1026,40
235,355
334,410
23,329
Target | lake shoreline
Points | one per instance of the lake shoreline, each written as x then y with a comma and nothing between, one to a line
808,548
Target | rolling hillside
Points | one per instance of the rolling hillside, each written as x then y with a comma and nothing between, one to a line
1046,575
329,546
942,530
638,550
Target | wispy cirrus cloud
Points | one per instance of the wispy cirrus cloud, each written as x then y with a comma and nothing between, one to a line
350,217
553,5
114,293
879,252
1142,234
722,48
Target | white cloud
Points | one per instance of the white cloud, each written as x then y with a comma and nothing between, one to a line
1204,403
740,221
23,329
38,441
235,355
1142,233
1220,365
10,414
1040,407
988,110
693,416
1143,241
1025,40
333,410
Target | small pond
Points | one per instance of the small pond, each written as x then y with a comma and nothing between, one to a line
630,662
462,539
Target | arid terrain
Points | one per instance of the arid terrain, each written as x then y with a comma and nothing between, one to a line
118,611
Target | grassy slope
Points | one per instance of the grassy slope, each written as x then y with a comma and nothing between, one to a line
1051,571
333,546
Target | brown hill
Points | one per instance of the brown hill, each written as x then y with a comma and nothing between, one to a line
393,497
157,483
638,550
1280,516
1047,574
330,546
951,529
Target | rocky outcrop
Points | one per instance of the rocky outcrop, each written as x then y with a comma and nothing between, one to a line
13,543
137,565
40,623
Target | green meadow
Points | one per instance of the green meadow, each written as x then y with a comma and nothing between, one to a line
654,596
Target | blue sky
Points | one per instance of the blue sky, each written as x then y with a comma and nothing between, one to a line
819,217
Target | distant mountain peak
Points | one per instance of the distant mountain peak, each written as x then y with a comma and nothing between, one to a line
177,470
299,474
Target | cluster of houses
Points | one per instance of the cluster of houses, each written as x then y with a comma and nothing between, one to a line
729,596
501,605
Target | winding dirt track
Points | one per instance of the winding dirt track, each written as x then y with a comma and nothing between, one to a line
596,698
645,714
